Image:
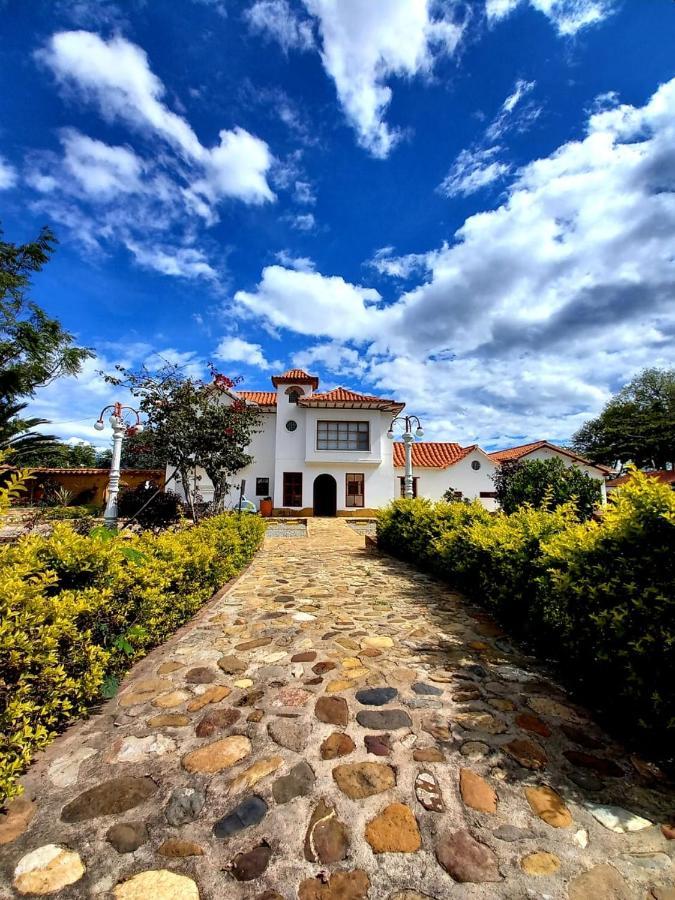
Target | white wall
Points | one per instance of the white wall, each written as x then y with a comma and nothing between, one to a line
547,453
433,483
297,452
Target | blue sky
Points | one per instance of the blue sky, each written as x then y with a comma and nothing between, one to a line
468,206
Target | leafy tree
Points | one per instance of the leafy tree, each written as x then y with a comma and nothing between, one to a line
18,438
40,451
638,424
197,425
143,451
34,348
545,483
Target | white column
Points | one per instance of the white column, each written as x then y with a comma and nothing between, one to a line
110,515
408,482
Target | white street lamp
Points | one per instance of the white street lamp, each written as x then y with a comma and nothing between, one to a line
408,438
120,429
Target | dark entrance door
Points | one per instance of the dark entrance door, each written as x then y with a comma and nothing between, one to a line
325,495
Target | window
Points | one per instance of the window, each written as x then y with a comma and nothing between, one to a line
415,480
291,425
475,465
355,490
342,435
294,394
292,488
262,487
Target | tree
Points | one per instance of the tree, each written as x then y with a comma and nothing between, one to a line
197,425
34,348
143,451
19,440
545,482
638,424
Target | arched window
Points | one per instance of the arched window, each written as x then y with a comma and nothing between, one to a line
293,394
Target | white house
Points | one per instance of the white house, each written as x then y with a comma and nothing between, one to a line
440,466
327,453
547,450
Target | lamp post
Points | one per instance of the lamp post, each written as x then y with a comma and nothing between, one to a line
120,428
408,438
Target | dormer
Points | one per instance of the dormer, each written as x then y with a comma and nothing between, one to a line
294,385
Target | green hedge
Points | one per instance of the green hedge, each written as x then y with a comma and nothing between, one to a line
76,611
597,596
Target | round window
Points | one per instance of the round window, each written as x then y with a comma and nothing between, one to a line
475,465
291,425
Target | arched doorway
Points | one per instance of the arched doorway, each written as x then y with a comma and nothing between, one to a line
325,495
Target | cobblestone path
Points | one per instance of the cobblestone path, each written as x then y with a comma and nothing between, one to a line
337,725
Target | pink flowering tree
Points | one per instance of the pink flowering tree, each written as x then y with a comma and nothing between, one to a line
195,424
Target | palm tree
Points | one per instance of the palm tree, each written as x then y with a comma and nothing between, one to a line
27,447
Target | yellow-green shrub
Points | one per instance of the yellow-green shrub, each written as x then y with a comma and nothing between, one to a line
76,611
599,596
608,593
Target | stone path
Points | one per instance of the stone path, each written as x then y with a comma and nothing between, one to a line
337,725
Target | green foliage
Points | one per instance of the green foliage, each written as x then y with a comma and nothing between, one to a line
638,424
598,596
545,483
17,435
34,349
150,508
77,610
196,425
143,451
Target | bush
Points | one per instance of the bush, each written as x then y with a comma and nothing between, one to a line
162,510
608,593
545,483
598,596
77,610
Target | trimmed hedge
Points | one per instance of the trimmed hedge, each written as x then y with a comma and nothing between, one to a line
598,597
77,610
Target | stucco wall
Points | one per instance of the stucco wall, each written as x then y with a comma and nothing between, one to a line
433,483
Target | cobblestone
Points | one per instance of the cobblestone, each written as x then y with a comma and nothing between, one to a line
338,725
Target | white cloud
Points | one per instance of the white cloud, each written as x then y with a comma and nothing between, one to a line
506,119
568,16
386,263
539,308
303,193
303,221
116,75
7,175
276,19
333,356
301,263
364,45
182,262
100,170
235,349
310,303
472,171
480,166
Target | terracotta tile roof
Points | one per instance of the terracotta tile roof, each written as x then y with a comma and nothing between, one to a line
516,452
296,376
663,475
431,454
262,398
343,397
512,453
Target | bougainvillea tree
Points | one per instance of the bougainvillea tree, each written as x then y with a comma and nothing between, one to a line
198,424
